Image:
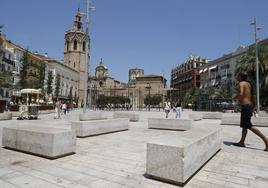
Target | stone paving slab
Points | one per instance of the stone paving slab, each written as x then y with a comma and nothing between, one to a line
119,159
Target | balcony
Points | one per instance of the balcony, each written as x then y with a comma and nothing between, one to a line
8,61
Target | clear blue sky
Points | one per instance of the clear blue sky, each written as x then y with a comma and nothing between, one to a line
151,34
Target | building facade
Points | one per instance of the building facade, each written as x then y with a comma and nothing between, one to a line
221,71
68,78
186,76
138,87
12,61
147,85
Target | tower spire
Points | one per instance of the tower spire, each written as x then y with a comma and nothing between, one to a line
78,21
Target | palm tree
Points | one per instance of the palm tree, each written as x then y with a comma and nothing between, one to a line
189,97
247,63
210,91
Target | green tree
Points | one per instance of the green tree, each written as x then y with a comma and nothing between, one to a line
152,100
75,98
49,82
247,63
6,80
189,97
209,91
57,85
71,92
23,71
41,79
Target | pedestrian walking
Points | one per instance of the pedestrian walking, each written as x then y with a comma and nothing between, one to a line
167,107
178,109
64,108
57,109
8,104
248,108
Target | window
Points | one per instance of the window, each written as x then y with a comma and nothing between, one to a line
84,46
74,64
75,44
67,45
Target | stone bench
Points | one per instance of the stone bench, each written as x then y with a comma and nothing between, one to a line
132,116
6,116
15,114
170,124
196,116
42,141
97,127
263,114
178,157
212,115
235,120
92,116
46,111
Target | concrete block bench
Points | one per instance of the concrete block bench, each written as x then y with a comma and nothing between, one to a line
263,114
170,124
196,116
15,114
42,141
212,115
176,158
132,116
92,116
5,116
46,111
235,120
97,127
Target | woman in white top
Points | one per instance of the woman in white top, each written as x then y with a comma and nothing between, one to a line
64,108
167,108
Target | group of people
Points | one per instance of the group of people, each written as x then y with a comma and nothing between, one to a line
61,108
176,106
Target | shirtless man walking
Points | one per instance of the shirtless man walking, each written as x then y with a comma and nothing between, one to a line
248,104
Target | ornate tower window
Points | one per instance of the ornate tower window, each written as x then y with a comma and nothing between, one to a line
67,45
84,46
75,44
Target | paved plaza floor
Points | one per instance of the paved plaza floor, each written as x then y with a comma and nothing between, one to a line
119,159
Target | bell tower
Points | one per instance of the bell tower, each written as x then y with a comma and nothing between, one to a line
75,52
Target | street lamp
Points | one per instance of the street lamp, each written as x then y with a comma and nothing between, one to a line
256,29
90,8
